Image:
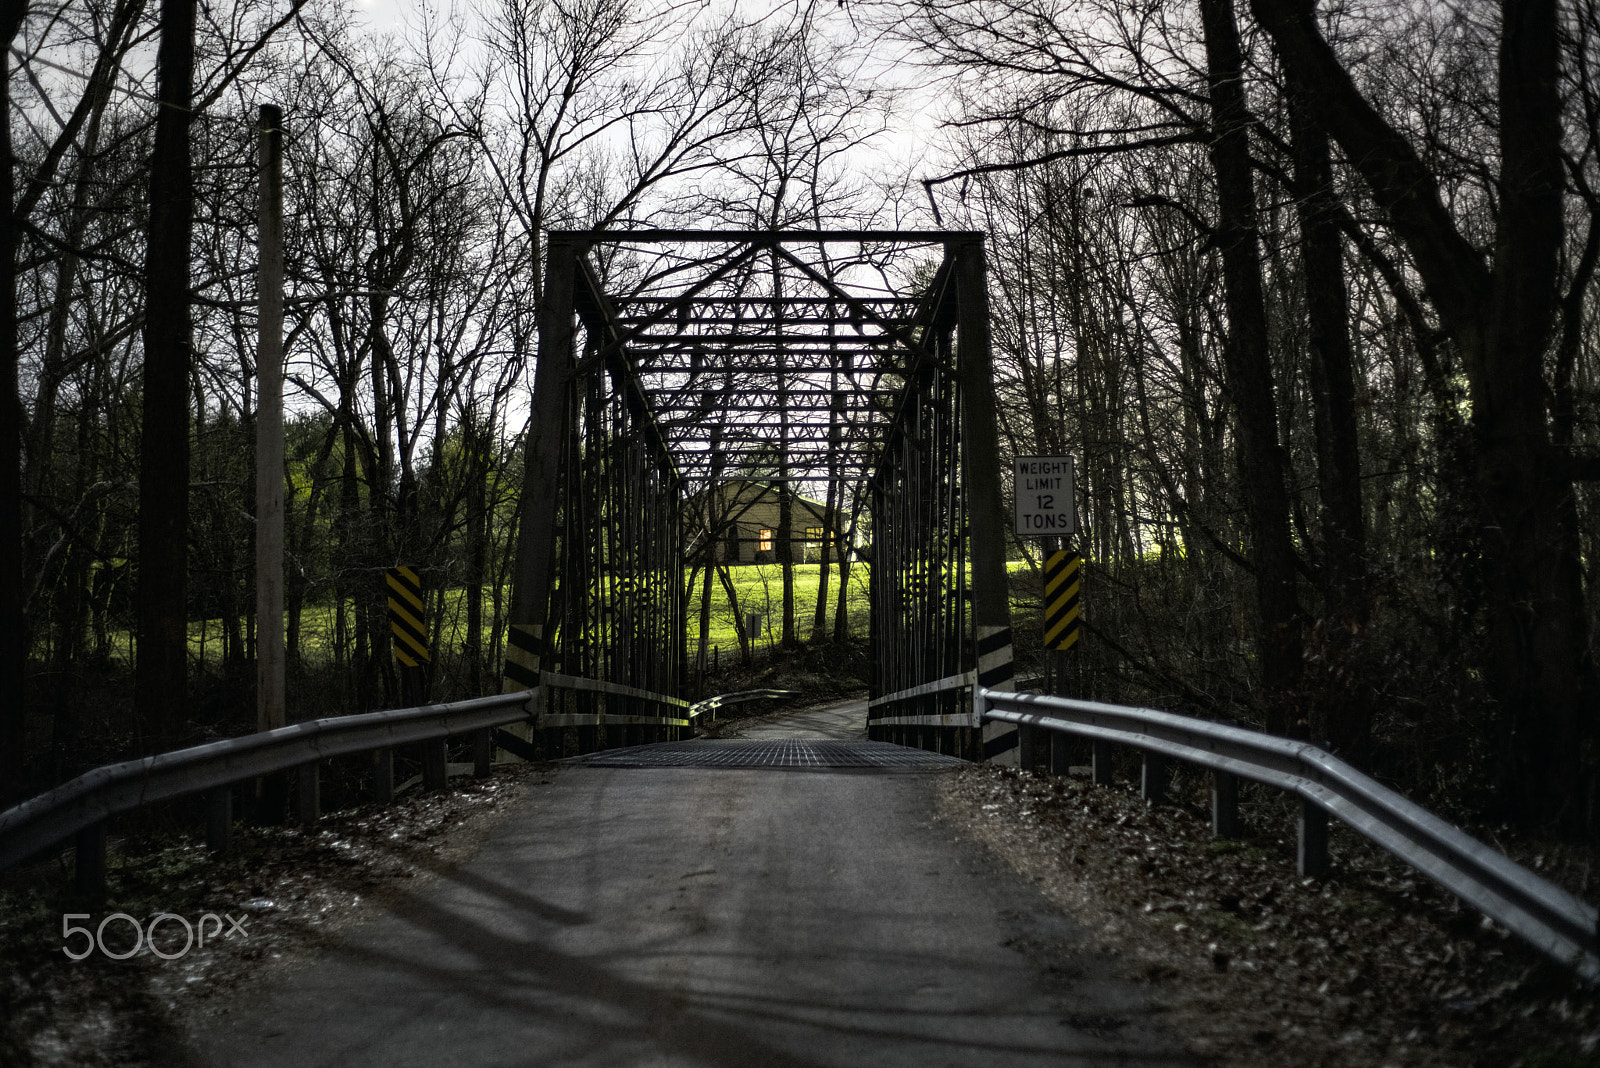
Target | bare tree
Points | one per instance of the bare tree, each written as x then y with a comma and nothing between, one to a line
1499,305
161,688
13,633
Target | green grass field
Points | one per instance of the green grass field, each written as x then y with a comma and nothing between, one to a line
759,588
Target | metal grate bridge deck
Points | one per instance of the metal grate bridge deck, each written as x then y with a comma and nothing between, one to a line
784,753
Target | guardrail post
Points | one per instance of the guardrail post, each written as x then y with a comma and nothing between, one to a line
434,758
1060,753
1153,779
1029,754
89,861
309,790
1224,805
482,753
383,774
267,799
1100,759
219,818
1313,853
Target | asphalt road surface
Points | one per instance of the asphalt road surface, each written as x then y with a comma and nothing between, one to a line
843,721
715,917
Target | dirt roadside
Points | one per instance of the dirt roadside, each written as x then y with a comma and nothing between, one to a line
1371,968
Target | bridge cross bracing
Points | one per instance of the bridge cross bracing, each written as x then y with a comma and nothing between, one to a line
672,363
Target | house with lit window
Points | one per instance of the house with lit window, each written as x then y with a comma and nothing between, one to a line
743,518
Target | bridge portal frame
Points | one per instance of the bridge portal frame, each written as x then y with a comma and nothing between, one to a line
946,343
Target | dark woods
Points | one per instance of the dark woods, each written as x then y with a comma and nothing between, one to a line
1310,290
1307,289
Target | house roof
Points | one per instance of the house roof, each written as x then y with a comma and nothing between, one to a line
764,488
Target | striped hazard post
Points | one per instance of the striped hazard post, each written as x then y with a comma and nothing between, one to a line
406,617
995,672
521,670
1061,585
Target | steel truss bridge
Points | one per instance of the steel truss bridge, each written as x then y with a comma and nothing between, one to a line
672,362
712,355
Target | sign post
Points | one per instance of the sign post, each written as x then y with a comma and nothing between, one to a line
1045,507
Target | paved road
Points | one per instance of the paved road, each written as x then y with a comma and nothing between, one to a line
710,918
843,721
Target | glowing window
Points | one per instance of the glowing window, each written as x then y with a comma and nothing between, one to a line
764,543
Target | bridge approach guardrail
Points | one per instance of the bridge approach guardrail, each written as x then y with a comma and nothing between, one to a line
1550,919
81,806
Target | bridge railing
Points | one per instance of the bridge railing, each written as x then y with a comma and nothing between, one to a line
634,707
932,715
1545,916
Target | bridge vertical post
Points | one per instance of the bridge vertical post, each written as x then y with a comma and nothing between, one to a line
1060,746
1100,760
986,516
530,586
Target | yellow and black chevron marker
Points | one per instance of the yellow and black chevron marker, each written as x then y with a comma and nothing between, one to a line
522,657
1061,575
406,617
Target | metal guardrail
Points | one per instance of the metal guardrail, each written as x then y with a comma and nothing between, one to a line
1545,916
84,804
712,705
90,799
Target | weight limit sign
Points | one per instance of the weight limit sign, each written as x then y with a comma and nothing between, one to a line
1044,496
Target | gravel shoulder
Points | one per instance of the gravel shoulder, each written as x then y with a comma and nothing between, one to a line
1371,967
289,890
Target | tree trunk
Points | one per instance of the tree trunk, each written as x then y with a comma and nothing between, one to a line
705,612
13,633
1347,719
477,474
819,615
745,639
830,510
1249,367
161,679
1537,662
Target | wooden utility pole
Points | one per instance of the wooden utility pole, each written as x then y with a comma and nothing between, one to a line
269,428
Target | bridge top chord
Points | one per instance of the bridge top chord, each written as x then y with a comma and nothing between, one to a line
767,237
